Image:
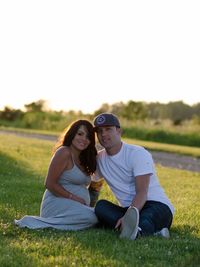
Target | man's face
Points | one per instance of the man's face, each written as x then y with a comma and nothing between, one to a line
109,136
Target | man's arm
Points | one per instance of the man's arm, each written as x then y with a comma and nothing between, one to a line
141,187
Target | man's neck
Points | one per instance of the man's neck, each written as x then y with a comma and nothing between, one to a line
114,150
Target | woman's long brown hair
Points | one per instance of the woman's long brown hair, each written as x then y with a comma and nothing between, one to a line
87,156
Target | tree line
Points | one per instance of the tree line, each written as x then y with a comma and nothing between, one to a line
177,111
38,116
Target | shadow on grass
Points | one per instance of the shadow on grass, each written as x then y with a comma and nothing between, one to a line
98,247
13,256
182,249
21,192
21,187
105,247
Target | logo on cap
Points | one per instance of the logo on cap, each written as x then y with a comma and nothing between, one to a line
100,120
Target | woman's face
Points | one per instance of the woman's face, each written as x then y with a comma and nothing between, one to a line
81,140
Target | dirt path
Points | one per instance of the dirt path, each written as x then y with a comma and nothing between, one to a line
163,158
176,161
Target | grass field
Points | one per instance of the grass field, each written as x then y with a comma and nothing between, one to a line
23,166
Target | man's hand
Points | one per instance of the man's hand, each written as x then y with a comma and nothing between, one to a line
119,224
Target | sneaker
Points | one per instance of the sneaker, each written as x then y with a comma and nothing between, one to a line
163,233
130,224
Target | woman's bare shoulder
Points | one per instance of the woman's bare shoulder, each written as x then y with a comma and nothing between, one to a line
63,151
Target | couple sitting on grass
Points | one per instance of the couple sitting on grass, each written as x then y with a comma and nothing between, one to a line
143,210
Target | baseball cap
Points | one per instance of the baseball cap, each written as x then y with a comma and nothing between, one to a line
106,119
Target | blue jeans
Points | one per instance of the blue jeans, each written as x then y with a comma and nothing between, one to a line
153,216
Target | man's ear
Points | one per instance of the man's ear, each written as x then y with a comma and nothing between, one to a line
119,130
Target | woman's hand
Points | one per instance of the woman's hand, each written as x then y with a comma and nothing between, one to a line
78,199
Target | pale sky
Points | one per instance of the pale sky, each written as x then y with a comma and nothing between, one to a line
80,54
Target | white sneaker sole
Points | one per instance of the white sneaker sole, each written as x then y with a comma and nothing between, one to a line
130,224
165,233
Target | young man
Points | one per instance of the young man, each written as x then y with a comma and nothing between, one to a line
130,173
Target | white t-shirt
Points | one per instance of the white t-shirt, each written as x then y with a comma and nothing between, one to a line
120,171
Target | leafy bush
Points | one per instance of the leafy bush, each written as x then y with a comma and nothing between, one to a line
163,136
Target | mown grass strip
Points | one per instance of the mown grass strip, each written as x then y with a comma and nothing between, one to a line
183,150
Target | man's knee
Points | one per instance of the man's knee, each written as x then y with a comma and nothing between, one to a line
100,205
147,226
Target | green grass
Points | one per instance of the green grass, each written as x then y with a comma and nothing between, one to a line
23,166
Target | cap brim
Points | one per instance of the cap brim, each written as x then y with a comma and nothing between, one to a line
96,127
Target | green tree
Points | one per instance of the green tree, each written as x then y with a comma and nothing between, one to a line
37,106
178,112
135,111
10,114
104,108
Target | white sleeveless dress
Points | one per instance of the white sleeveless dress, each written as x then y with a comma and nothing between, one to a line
63,213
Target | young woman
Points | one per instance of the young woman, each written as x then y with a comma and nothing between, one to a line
66,200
